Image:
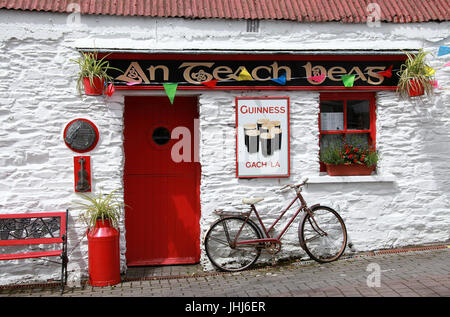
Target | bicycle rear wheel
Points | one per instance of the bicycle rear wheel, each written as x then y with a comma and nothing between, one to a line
220,248
323,236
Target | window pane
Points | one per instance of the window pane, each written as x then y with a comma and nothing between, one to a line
330,139
358,115
332,115
360,140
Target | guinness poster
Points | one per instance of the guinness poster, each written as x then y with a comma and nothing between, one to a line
262,137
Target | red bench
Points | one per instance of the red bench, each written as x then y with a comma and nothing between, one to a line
36,228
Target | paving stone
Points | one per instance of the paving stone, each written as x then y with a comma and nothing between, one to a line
409,274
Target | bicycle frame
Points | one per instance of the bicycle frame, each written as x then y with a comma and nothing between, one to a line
267,232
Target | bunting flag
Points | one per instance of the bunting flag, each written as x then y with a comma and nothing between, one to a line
386,73
436,84
317,78
210,83
443,50
429,71
170,89
244,75
280,80
110,90
348,80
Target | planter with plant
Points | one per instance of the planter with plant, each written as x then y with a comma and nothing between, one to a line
93,73
102,214
415,76
342,159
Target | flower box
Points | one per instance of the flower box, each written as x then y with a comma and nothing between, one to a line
349,169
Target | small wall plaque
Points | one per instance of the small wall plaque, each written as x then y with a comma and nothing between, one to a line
81,135
82,169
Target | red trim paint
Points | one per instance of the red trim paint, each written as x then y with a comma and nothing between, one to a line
351,96
253,57
315,88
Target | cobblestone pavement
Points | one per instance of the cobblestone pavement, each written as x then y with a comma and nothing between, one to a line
405,274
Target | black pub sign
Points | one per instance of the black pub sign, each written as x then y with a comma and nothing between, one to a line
236,71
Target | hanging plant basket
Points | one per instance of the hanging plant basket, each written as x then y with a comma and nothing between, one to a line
415,88
349,169
93,73
415,76
94,88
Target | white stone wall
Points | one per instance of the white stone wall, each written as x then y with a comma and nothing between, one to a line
408,203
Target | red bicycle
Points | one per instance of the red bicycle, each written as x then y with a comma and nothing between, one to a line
234,242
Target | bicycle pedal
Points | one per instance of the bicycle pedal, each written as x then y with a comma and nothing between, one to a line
274,261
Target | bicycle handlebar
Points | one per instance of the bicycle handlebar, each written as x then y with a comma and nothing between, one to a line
295,186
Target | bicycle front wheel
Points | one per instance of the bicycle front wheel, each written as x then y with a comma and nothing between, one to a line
323,236
222,250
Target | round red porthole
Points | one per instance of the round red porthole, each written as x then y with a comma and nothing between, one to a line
81,135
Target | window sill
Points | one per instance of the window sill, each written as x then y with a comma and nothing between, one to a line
324,178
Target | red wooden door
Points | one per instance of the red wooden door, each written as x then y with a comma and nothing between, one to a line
162,196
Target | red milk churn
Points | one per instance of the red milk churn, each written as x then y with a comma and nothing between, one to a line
104,254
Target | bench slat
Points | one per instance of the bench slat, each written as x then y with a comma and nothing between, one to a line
15,256
31,241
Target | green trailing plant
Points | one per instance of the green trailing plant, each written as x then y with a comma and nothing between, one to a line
330,155
101,207
356,153
415,74
91,67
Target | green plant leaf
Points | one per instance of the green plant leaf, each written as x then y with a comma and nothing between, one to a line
101,207
91,67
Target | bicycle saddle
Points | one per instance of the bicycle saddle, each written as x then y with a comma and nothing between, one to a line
252,201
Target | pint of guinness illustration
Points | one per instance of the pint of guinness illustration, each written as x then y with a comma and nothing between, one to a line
261,122
265,128
276,124
277,138
249,126
252,140
267,144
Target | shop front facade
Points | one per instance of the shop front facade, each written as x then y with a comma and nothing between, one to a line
178,160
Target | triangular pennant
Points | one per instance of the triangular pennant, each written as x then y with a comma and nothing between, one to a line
280,80
443,50
110,90
318,78
386,73
348,80
244,75
170,89
429,71
436,84
210,83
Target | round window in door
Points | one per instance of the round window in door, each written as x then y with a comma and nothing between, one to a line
161,135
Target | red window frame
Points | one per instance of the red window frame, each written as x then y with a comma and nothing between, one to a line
345,96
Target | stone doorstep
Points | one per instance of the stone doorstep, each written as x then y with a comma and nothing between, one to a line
196,271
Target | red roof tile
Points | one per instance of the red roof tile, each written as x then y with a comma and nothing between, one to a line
347,11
